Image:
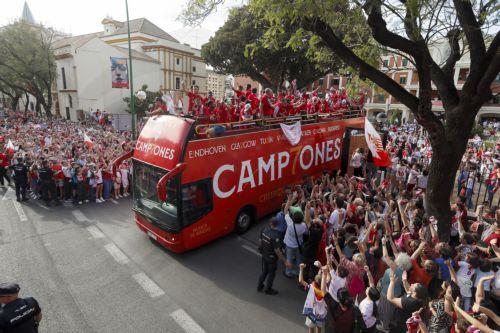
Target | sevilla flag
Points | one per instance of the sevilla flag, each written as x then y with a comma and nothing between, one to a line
10,147
87,141
380,156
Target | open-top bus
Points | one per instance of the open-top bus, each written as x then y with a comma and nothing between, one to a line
189,189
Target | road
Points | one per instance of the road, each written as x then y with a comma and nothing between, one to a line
92,270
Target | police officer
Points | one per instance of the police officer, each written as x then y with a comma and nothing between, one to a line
45,174
270,246
20,179
18,315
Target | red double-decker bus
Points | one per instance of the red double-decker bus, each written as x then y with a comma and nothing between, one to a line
189,189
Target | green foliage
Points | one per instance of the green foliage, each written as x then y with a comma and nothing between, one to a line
247,45
477,129
27,63
141,106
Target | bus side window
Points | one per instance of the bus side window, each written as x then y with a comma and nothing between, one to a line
196,200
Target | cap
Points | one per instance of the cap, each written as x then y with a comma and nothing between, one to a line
9,288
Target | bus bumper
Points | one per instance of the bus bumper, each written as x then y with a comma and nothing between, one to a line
168,240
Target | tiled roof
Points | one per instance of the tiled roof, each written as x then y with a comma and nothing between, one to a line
146,27
76,41
135,54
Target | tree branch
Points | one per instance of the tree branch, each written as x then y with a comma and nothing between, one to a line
323,30
492,59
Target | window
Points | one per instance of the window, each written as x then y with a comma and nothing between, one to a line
193,83
386,63
63,74
178,61
196,200
177,83
334,82
405,62
194,68
402,80
321,81
146,202
70,101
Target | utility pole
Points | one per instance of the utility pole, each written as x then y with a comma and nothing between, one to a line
131,80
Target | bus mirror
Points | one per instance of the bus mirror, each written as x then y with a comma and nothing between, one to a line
161,187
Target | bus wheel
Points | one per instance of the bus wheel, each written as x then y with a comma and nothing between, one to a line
243,221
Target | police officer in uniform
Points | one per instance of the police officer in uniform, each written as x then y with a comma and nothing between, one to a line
45,174
270,246
18,315
20,179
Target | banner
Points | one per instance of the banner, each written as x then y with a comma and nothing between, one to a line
380,157
292,132
119,72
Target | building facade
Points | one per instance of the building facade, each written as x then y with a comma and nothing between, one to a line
216,83
159,61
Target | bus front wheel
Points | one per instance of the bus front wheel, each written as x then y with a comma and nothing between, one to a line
244,221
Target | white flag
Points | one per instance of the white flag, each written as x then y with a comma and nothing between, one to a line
292,132
373,139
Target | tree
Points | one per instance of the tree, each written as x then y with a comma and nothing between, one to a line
241,47
141,106
413,28
27,62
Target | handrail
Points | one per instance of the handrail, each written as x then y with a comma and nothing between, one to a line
263,122
161,188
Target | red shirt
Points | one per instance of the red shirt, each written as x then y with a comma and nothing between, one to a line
192,96
223,114
492,237
4,161
267,106
418,275
58,174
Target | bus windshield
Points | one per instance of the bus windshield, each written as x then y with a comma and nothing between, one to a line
146,202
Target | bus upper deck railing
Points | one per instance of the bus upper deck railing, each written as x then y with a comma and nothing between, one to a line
232,128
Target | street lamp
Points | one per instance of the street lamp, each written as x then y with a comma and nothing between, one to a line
132,96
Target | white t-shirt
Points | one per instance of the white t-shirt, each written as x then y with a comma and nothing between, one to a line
290,239
401,172
335,284
356,160
334,222
422,181
412,178
366,308
464,278
479,275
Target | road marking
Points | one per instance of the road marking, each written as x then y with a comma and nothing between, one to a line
251,249
186,322
42,206
148,285
114,201
20,211
79,216
95,232
116,253
9,194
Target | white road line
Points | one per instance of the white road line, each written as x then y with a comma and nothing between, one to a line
42,206
20,211
79,216
186,322
251,249
148,285
114,201
9,194
116,253
95,232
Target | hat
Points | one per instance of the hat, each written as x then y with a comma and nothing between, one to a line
9,289
296,214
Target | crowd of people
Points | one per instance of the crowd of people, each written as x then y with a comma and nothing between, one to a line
369,256
247,104
58,160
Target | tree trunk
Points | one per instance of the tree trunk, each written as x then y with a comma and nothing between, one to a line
38,108
447,154
14,102
27,102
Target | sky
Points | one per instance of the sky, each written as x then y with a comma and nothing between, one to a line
78,17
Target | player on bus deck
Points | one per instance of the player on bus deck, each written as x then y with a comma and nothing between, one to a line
158,108
193,95
267,103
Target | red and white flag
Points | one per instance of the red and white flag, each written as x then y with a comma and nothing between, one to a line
380,156
10,147
87,141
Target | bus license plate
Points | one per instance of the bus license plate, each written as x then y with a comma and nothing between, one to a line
150,234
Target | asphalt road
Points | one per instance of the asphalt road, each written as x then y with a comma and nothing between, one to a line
92,270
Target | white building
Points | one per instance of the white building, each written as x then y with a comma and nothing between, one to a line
216,83
84,66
